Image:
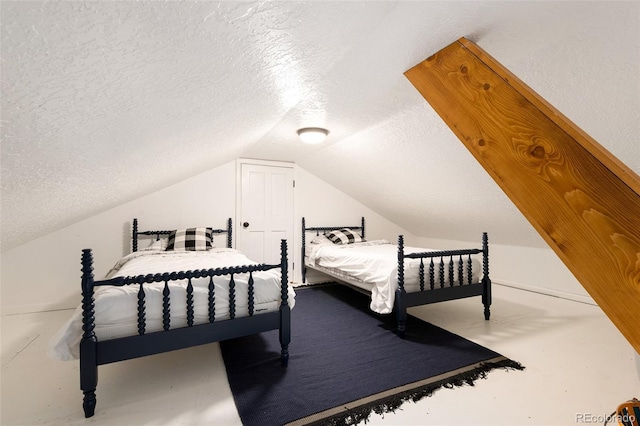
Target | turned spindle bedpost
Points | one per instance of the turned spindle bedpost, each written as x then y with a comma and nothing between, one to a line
285,309
134,234
88,353
400,302
304,267
486,281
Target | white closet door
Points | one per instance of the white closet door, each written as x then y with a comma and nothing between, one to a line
266,212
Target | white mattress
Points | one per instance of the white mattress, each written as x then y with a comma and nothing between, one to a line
116,308
373,266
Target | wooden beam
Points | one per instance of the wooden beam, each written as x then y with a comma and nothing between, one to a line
582,200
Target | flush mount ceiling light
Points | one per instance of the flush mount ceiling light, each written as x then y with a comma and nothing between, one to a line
312,135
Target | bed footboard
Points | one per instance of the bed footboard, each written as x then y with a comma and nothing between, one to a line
94,353
454,279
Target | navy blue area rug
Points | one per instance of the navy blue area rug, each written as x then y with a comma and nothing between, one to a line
345,362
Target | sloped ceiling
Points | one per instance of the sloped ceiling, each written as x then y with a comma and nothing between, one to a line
103,102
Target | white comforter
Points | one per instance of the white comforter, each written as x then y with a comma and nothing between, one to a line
116,308
376,262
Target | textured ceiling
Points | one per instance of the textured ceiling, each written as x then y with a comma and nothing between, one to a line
103,102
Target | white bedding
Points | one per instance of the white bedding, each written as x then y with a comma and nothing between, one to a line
376,263
116,308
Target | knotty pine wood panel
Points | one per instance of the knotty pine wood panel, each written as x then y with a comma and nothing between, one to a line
582,200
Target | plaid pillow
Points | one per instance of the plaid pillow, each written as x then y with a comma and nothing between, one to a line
191,239
344,236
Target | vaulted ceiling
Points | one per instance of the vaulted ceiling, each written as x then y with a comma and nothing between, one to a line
103,102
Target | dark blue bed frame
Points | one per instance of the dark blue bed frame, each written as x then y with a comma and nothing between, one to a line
431,291
94,353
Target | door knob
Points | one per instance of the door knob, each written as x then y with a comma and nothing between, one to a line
245,225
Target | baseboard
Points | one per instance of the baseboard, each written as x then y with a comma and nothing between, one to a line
547,291
31,309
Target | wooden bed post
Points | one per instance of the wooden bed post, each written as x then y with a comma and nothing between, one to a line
229,233
401,302
285,309
88,353
362,226
486,281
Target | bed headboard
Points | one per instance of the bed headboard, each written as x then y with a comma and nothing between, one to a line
135,233
324,230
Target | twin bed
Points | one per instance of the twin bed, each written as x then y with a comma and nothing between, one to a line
145,306
396,277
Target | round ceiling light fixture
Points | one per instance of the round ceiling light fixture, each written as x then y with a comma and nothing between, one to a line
312,135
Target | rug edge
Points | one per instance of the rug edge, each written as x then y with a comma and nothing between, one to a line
391,399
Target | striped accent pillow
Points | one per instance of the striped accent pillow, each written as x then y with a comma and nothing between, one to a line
344,236
190,239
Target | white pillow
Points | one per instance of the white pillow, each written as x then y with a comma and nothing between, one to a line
321,239
160,245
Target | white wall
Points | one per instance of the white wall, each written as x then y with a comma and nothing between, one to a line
44,274
323,205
